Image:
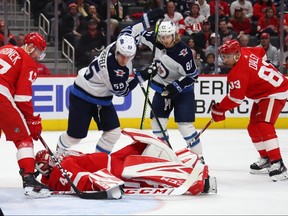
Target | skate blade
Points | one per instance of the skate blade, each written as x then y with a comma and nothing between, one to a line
31,193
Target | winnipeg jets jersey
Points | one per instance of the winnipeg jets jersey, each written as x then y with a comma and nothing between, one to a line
103,78
176,63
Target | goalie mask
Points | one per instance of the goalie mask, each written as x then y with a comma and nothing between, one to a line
43,162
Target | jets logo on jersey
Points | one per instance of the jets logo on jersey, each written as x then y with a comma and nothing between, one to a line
183,52
119,73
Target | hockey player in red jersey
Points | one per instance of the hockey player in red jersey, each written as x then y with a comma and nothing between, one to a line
250,76
18,71
146,162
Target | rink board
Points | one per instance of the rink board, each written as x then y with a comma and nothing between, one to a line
51,101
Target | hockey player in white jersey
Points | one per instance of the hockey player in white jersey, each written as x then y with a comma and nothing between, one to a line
91,95
174,81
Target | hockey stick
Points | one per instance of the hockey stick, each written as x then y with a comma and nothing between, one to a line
200,132
157,119
81,194
149,80
146,191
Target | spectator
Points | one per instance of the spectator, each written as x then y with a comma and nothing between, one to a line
193,22
183,6
240,23
204,8
91,43
271,51
10,37
221,16
211,47
246,5
202,38
82,7
268,23
259,8
223,5
197,52
176,17
225,33
243,40
42,69
20,40
209,66
116,10
93,14
71,25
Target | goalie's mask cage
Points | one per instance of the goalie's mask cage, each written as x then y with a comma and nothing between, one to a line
43,162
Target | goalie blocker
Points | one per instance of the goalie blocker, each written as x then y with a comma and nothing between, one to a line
145,164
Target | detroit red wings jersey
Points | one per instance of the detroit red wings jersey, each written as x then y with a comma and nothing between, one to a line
254,78
78,169
17,73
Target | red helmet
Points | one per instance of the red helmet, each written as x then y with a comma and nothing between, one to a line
230,47
44,162
37,39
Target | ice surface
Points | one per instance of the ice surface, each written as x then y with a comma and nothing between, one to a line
227,152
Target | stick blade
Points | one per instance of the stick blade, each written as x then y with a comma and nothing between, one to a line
93,195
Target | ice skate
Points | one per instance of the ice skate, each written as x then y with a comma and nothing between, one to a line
210,185
34,188
261,166
278,171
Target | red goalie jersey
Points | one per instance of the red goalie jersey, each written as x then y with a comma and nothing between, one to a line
147,162
253,78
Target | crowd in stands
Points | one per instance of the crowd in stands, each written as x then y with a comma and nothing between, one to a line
253,22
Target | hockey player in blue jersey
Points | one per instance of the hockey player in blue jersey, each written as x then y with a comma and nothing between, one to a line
91,95
174,81
110,74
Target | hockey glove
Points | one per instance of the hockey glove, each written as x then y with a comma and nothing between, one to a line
148,72
152,17
217,114
34,125
172,90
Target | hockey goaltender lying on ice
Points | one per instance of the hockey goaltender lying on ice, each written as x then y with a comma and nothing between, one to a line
147,166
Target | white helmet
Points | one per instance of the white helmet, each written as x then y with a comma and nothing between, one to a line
126,45
166,28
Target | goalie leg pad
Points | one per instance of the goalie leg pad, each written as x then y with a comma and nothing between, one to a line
157,172
187,157
155,147
198,186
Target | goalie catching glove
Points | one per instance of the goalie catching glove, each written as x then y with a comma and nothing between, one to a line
34,125
217,114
